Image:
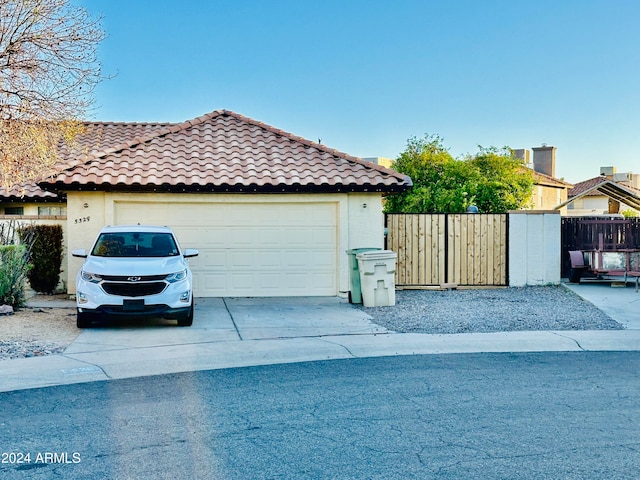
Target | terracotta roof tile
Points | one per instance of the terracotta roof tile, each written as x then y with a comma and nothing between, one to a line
94,137
28,191
580,187
221,151
548,180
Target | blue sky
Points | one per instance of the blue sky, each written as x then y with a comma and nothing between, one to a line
365,75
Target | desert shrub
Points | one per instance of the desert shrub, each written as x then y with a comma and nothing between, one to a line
14,268
45,255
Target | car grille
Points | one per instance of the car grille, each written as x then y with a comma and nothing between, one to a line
125,278
133,289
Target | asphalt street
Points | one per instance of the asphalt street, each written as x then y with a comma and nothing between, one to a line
556,415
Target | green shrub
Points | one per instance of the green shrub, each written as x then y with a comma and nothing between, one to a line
14,268
45,255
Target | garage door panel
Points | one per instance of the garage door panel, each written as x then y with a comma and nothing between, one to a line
242,280
240,258
326,280
323,216
322,260
324,237
270,259
298,238
271,237
210,259
251,249
212,282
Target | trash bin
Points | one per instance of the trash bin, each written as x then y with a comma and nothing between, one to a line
355,290
377,276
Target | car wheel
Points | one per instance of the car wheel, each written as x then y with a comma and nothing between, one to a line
83,320
188,320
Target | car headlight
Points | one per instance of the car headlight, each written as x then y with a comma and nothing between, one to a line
91,277
176,277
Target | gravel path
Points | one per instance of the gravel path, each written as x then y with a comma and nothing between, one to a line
490,310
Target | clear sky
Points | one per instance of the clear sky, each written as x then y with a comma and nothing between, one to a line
365,75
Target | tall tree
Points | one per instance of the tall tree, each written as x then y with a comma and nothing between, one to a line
48,71
505,183
493,180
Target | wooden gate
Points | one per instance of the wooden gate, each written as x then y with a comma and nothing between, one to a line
436,249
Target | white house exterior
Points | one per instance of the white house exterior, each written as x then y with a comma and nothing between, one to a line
271,214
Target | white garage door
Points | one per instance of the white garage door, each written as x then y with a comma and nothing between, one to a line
250,249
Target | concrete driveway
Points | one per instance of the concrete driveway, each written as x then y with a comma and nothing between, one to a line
234,319
620,303
226,332
240,332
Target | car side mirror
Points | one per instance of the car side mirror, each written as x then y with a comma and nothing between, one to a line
81,253
190,252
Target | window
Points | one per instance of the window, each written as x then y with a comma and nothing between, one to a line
14,210
52,211
135,244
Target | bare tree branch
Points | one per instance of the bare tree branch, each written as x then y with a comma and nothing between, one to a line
48,71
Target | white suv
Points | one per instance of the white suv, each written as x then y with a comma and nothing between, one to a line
135,271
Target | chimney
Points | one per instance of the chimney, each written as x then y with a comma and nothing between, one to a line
608,172
524,154
544,160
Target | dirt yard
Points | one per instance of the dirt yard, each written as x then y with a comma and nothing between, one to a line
37,331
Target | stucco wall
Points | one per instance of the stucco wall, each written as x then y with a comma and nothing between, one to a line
547,197
534,248
359,217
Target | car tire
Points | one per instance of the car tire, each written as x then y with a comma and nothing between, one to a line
83,320
188,320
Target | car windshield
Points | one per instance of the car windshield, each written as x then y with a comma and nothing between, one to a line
135,244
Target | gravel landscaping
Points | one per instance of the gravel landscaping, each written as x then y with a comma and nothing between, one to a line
35,332
29,348
490,310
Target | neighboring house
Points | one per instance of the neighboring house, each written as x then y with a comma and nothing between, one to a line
609,193
548,190
272,214
382,161
30,202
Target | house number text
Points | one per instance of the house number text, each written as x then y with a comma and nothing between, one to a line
82,220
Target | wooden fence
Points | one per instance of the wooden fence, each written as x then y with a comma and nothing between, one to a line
437,249
583,233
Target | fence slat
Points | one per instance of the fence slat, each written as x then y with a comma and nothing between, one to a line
473,252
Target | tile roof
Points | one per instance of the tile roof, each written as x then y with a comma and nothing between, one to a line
218,152
94,137
97,136
548,180
581,187
616,191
